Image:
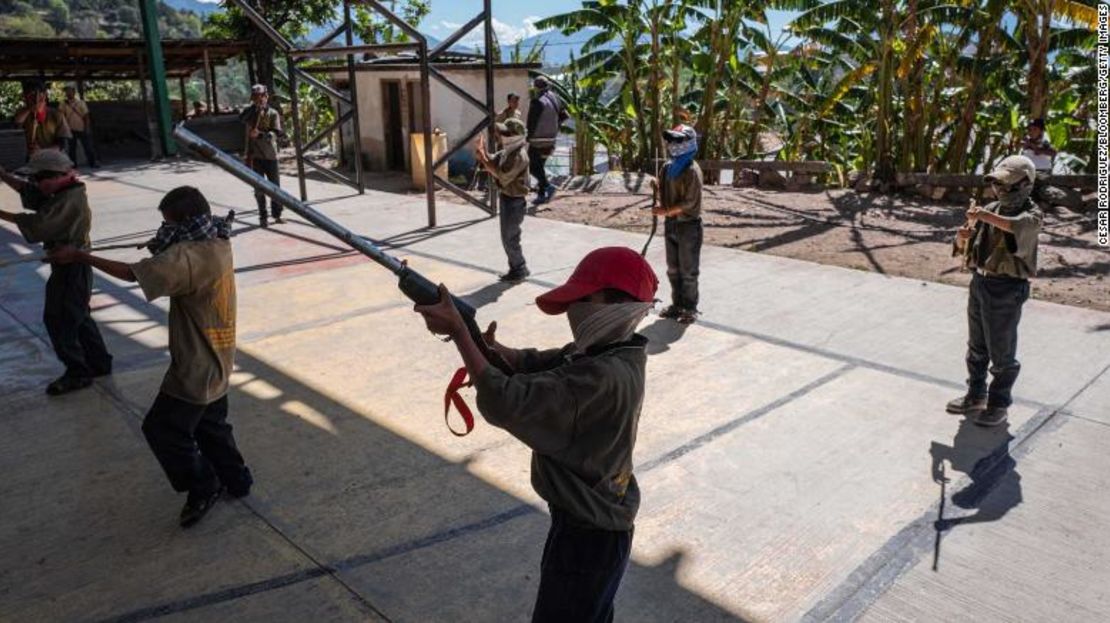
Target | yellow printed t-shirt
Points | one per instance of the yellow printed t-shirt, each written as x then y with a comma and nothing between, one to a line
199,278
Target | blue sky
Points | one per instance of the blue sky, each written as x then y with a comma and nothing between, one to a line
514,18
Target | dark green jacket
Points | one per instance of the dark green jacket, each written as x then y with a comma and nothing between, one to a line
579,414
683,191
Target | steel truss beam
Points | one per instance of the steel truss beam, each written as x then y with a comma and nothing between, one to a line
426,57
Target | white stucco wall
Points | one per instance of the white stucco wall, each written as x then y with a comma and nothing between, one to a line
450,113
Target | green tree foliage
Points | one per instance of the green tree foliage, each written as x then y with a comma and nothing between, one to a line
884,87
109,19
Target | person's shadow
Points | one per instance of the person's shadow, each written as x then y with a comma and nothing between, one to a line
995,485
661,334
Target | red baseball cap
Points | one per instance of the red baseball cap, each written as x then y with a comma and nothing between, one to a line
619,268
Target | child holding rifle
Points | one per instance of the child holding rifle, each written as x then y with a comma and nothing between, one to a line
999,245
186,426
679,200
578,408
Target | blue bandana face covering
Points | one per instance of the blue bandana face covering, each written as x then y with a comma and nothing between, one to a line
682,154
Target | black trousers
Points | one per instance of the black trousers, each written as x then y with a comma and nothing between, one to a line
537,161
195,445
993,312
269,170
86,143
69,323
580,573
683,240
512,217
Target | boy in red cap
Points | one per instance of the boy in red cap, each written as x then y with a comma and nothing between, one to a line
578,408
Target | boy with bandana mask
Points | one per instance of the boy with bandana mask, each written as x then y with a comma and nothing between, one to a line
578,408
58,214
999,244
679,193
509,170
187,426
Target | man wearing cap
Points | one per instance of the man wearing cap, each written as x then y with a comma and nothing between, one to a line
187,427
546,114
263,125
43,127
509,170
999,244
679,192
577,408
58,214
76,113
1037,148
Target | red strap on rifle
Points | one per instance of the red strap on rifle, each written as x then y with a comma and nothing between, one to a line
452,396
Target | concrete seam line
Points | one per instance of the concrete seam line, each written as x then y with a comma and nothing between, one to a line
320,570
871,578
763,337
750,416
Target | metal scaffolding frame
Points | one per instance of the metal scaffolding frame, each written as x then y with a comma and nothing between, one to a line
425,59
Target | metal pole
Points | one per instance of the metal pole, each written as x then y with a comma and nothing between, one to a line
250,68
148,10
215,96
429,165
294,106
184,98
209,100
491,139
352,91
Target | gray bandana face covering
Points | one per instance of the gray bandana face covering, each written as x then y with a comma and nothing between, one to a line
1013,198
596,324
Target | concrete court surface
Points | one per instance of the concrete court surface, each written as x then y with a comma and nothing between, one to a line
787,450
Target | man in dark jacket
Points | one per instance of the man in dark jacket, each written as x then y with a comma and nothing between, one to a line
58,214
577,408
546,114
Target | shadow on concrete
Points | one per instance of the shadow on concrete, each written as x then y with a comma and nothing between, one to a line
661,334
995,485
489,294
363,504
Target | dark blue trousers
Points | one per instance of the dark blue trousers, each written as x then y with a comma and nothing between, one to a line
581,571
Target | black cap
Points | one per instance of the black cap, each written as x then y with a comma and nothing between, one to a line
540,82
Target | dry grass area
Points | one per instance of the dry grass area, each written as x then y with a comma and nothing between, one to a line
899,235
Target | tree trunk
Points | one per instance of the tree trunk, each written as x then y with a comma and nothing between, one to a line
955,160
263,48
884,161
1038,30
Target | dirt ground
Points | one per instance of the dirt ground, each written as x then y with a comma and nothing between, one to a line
902,235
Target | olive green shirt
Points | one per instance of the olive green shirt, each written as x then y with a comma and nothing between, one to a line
199,278
264,146
512,171
683,191
992,251
64,219
579,414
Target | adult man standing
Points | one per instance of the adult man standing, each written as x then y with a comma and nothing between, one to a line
44,127
59,215
546,114
187,426
76,114
263,127
1038,149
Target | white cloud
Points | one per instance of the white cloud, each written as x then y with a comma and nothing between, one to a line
507,34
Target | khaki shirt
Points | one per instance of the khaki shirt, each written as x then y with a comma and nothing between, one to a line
75,113
47,134
683,191
65,219
580,417
505,115
1006,254
269,126
512,171
199,278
